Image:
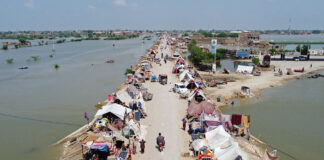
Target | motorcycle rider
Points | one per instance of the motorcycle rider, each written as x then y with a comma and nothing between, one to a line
160,139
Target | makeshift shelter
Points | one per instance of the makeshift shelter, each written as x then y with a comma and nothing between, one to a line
124,97
217,137
198,144
183,74
197,108
116,109
230,150
191,84
197,95
146,65
266,61
244,69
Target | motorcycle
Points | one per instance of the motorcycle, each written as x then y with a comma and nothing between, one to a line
160,147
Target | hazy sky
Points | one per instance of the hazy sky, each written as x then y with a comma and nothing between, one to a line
160,14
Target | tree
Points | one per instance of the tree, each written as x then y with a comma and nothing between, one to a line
222,34
304,50
222,50
23,40
316,32
256,60
272,50
5,47
298,49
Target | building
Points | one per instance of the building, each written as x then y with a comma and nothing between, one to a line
316,51
245,38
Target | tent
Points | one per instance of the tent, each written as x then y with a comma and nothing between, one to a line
230,151
217,137
191,84
116,109
182,75
196,107
124,97
198,143
244,69
195,93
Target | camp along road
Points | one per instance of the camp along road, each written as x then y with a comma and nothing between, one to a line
165,112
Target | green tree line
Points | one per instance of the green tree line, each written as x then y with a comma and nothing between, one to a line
198,56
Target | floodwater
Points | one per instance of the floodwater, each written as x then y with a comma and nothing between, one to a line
301,38
41,105
289,117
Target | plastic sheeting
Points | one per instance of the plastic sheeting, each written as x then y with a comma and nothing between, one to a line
196,108
244,69
198,143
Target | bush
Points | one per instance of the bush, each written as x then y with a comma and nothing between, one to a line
10,61
129,71
35,58
5,47
256,60
56,66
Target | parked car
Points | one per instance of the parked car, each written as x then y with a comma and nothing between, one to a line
180,88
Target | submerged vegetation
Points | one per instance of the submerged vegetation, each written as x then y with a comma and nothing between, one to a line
10,61
56,66
60,41
5,47
51,55
35,58
222,34
121,37
147,38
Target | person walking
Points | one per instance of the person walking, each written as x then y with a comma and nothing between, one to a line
184,123
142,145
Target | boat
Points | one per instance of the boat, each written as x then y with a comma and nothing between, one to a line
110,61
25,67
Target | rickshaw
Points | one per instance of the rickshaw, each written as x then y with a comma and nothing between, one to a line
163,79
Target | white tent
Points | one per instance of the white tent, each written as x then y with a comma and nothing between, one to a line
193,93
183,75
217,137
124,97
223,145
244,69
115,109
231,151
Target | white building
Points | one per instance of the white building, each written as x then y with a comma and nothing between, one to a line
316,51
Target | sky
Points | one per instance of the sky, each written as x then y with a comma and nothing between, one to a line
17,15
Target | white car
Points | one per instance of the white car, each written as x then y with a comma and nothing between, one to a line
180,88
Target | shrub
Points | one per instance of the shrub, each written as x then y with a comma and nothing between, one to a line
256,60
10,61
56,66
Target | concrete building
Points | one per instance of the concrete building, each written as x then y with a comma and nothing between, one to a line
316,51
